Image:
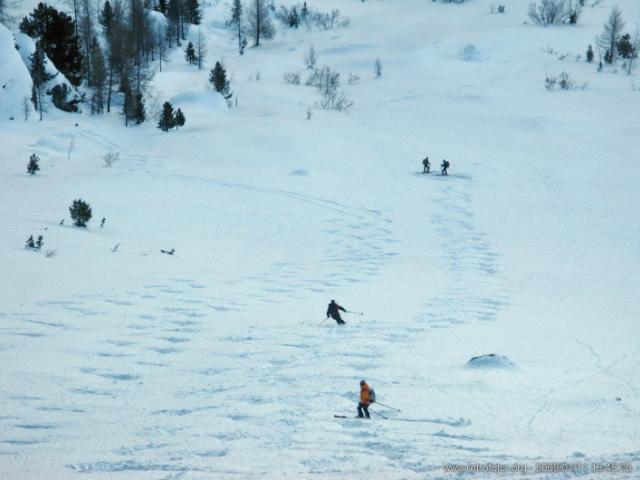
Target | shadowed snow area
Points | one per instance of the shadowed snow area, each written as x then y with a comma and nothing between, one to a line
122,362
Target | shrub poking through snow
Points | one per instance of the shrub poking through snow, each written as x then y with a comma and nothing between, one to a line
470,52
549,12
32,166
377,68
302,14
310,58
34,245
80,213
562,82
110,158
292,78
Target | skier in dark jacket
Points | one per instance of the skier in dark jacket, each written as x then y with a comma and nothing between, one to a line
333,311
426,165
445,165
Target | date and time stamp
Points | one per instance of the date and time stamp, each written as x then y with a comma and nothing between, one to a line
580,468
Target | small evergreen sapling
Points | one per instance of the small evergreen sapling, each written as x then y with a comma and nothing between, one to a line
589,54
218,78
190,54
179,119
624,46
32,166
34,245
80,213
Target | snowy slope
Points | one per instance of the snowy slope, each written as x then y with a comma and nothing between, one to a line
15,82
211,364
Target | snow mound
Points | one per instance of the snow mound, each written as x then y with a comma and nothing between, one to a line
15,81
490,360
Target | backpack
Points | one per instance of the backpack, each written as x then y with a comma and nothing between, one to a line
372,395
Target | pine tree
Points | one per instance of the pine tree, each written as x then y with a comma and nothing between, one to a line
39,75
139,112
192,12
218,78
166,122
106,17
624,46
190,54
80,213
589,54
57,33
179,119
32,166
162,6
611,35
260,25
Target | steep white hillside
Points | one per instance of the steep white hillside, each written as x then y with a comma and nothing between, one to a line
15,81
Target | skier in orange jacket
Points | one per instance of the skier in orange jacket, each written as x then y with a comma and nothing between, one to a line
365,400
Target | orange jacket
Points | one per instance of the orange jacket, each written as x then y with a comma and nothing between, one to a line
364,394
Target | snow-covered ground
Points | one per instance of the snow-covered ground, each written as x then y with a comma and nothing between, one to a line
211,363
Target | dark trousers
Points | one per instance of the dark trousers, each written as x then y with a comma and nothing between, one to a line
362,407
338,320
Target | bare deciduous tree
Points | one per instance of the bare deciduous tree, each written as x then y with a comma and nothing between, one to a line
612,32
259,22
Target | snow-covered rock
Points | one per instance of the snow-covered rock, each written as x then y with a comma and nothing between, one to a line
490,360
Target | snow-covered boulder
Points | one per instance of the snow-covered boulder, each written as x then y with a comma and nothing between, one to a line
490,360
15,81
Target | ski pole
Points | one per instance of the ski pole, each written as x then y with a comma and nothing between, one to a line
387,406
323,321
383,416
359,313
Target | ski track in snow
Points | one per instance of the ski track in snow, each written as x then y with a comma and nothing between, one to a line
470,260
